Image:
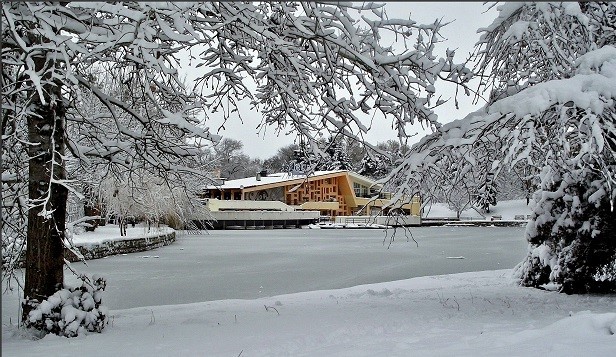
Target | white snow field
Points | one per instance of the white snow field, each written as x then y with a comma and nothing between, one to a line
507,209
330,293
467,314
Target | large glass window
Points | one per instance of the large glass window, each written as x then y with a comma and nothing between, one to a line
360,190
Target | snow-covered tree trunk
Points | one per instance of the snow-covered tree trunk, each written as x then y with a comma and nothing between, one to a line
47,194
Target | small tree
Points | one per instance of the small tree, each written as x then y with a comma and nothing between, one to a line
486,193
453,184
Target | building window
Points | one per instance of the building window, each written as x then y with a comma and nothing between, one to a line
360,190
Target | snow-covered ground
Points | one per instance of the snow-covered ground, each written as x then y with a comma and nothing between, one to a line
112,232
467,314
506,209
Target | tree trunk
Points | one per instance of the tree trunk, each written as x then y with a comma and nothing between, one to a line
44,242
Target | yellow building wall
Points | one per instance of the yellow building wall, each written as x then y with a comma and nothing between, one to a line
326,189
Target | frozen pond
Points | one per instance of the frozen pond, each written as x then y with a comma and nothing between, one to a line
252,264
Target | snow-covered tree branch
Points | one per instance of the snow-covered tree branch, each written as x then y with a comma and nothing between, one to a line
97,84
552,76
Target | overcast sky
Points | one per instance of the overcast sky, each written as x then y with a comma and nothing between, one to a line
461,35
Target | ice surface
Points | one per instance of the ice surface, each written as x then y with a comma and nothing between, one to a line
235,264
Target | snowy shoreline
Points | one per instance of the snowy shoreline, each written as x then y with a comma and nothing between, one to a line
466,314
111,232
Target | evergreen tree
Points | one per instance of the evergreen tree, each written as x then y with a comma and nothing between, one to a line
571,240
336,157
486,193
550,72
375,166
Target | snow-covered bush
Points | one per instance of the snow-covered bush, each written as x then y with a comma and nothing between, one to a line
571,235
71,311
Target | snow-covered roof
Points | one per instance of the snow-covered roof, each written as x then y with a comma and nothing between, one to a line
269,179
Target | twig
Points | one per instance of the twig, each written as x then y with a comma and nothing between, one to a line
271,307
408,230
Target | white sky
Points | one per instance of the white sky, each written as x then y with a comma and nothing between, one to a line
461,35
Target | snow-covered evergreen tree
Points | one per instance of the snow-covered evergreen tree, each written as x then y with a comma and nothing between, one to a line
571,233
378,161
550,70
375,166
335,156
485,195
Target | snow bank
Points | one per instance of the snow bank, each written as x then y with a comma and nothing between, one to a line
469,314
508,210
106,240
111,232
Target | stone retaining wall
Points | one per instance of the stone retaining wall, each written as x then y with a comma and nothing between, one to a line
112,247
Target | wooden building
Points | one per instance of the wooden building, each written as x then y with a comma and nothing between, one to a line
331,193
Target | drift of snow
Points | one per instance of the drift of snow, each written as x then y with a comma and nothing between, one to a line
468,314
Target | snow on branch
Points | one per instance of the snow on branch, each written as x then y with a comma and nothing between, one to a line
109,74
560,122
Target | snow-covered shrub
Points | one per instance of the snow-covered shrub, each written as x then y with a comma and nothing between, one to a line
563,108
571,236
71,311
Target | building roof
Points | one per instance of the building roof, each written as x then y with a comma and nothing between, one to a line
281,177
